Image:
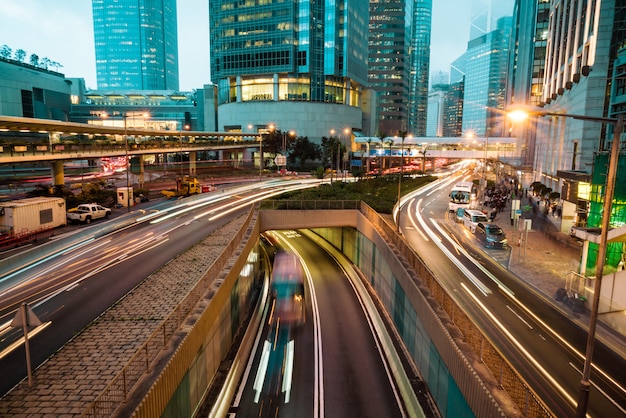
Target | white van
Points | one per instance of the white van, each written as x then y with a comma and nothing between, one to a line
472,217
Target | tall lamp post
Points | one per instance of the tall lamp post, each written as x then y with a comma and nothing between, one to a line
125,116
402,135
260,156
346,157
618,127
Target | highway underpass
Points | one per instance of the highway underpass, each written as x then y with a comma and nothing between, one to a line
373,246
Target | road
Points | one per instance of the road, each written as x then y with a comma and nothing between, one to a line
73,285
338,370
545,347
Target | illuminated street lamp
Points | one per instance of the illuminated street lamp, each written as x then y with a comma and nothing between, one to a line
186,127
402,134
618,126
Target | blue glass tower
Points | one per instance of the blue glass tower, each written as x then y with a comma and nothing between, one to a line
136,44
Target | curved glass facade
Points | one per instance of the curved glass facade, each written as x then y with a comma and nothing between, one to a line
287,88
288,51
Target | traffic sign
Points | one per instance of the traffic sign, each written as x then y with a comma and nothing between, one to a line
280,160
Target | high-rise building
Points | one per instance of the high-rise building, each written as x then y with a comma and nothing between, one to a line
136,44
436,110
453,112
527,65
298,67
484,15
485,71
399,62
420,66
390,31
584,48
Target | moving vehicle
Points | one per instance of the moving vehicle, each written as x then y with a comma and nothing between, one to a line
184,187
463,195
87,212
287,287
491,235
471,218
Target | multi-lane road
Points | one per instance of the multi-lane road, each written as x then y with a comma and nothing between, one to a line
542,344
336,367
72,284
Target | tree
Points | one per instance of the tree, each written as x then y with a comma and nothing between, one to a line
20,55
329,148
55,65
34,60
5,52
45,63
301,150
273,142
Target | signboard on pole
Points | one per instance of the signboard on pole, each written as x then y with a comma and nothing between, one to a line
280,160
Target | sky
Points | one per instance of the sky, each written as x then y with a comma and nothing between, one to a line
62,31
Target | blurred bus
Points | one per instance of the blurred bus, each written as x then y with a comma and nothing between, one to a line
287,287
463,195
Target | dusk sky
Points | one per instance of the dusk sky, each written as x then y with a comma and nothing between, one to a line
62,31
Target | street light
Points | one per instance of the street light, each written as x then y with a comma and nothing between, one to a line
180,139
346,132
260,156
618,126
402,135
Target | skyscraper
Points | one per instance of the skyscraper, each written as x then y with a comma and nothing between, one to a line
485,69
399,60
136,44
527,65
420,66
297,66
389,65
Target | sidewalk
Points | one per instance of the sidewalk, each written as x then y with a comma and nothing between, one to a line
545,260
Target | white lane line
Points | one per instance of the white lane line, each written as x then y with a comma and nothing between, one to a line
623,411
318,392
519,317
519,346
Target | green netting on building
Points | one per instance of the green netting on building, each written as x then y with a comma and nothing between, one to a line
596,203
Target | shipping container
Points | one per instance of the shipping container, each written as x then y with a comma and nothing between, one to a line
31,215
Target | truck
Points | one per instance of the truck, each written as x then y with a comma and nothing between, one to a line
87,212
25,220
184,187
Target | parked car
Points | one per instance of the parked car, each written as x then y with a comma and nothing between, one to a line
491,235
471,218
87,212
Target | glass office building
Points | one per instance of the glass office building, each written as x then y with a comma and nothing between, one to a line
277,62
136,44
485,70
